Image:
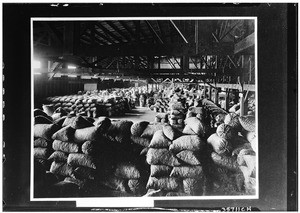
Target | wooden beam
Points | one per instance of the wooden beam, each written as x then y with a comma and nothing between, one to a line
104,36
177,29
111,24
107,32
244,44
161,30
157,37
123,23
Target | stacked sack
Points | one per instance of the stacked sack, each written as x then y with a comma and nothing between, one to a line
44,127
161,105
127,167
227,145
177,113
161,118
175,163
70,160
247,156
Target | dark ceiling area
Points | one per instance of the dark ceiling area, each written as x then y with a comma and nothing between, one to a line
147,48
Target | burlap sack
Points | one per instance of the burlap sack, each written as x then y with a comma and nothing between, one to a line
189,157
64,134
187,142
160,170
68,147
161,157
58,156
187,172
159,140
164,183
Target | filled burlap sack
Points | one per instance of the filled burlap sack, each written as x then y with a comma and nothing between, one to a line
120,127
176,194
65,146
59,122
80,122
159,140
137,186
187,142
58,156
192,186
42,120
87,134
144,151
103,123
45,130
250,136
189,157
83,173
162,115
250,161
176,106
140,141
161,157
127,170
160,170
48,109
151,129
232,119
64,134
220,118
115,183
237,149
188,130
219,145
154,193
196,125
248,123
175,112
225,131
94,147
225,161
68,121
187,172
80,183
171,133
164,183
61,168
138,128
39,112
41,153
237,141
78,159
41,142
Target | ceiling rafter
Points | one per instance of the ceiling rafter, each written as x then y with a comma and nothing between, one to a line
107,32
123,23
137,25
104,36
157,37
114,27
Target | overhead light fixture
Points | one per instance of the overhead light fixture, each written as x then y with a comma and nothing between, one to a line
71,67
65,5
36,64
54,5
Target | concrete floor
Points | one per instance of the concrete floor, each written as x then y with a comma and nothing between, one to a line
137,114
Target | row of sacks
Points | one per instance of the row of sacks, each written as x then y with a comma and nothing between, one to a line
85,154
175,163
161,105
87,105
234,148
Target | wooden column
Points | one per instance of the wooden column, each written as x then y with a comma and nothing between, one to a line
227,99
242,106
216,95
209,93
204,91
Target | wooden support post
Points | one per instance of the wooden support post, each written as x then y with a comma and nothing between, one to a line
209,93
227,99
242,106
204,91
216,95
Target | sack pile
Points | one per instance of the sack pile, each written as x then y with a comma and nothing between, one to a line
161,105
175,167
161,118
230,144
91,104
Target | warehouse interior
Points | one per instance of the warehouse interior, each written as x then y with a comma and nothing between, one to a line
144,107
